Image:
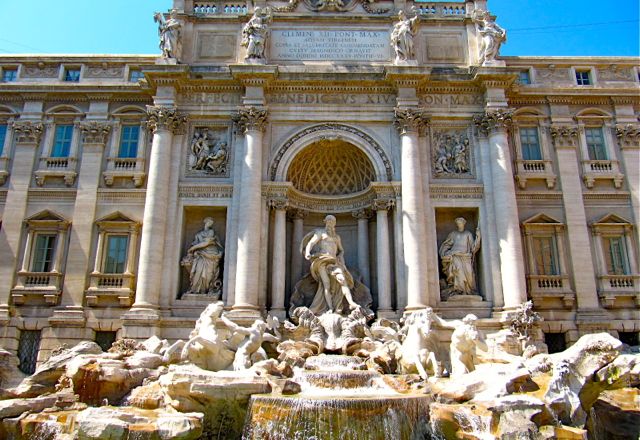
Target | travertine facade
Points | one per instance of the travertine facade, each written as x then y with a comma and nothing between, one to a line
263,121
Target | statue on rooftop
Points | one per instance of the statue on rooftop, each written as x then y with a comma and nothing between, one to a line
170,34
255,34
402,37
492,36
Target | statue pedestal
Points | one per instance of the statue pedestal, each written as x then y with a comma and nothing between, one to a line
458,306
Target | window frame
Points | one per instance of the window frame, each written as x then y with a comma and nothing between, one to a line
107,249
529,76
605,152
122,129
127,167
5,69
536,129
66,69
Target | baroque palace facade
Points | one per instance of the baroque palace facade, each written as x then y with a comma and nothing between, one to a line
135,190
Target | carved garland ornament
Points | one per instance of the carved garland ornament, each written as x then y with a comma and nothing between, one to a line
165,118
563,135
251,119
494,120
333,127
409,120
28,132
628,135
332,6
94,132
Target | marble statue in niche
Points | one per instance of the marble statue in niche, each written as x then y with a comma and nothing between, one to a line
458,253
170,34
203,262
492,36
255,34
451,156
208,154
402,38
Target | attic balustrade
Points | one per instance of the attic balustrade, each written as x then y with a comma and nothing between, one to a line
425,9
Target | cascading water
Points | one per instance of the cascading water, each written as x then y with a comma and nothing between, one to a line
337,402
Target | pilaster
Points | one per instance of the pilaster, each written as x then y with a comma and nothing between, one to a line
383,257
279,255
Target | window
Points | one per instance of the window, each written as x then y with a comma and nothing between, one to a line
129,141
583,77
616,256
9,74
595,143
116,258
62,141
105,339
530,142
28,347
524,77
43,253
546,255
3,137
135,75
555,342
72,74
629,338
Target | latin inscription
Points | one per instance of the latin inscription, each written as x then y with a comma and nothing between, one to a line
329,45
370,99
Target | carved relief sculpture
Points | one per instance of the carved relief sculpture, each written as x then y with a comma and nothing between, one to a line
208,154
402,38
492,36
169,32
451,154
203,262
458,254
255,34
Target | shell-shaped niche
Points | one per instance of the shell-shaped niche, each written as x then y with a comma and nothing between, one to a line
330,168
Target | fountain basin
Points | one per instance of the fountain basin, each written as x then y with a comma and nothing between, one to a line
397,417
337,379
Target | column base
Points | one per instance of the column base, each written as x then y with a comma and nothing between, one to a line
5,314
142,314
592,321
244,315
141,323
70,316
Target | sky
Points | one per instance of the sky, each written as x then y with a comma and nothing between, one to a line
534,27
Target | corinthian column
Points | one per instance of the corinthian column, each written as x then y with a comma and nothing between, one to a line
495,124
297,215
163,122
251,122
363,216
409,121
383,257
278,267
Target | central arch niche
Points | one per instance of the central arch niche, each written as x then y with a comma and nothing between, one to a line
331,168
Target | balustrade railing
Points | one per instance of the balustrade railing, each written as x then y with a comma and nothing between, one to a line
39,280
619,283
57,163
440,9
220,7
548,283
109,287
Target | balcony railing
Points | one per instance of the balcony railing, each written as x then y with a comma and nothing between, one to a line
601,170
33,285
63,167
449,9
614,287
535,170
124,167
105,288
545,287
220,7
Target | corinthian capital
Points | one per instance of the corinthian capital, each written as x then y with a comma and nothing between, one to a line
564,135
161,117
628,135
27,131
251,119
279,204
409,120
383,204
94,132
494,120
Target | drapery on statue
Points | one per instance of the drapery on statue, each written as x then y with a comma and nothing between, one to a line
458,252
203,261
323,248
255,34
492,36
402,37
170,33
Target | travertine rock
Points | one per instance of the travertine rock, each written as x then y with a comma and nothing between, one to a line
15,407
10,375
148,396
616,415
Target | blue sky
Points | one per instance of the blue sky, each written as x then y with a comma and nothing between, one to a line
535,27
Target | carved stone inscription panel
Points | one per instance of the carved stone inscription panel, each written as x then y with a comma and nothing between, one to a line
329,45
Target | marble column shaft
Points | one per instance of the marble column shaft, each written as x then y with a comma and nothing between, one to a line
363,216
496,124
251,121
279,255
163,122
383,255
296,238
94,138
27,136
409,122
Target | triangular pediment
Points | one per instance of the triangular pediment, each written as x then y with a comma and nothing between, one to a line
116,217
541,218
47,215
612,219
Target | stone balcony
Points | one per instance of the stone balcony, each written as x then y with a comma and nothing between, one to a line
593,170
57,167
125,168
535,170
615,288
546,290
36,288
109,288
